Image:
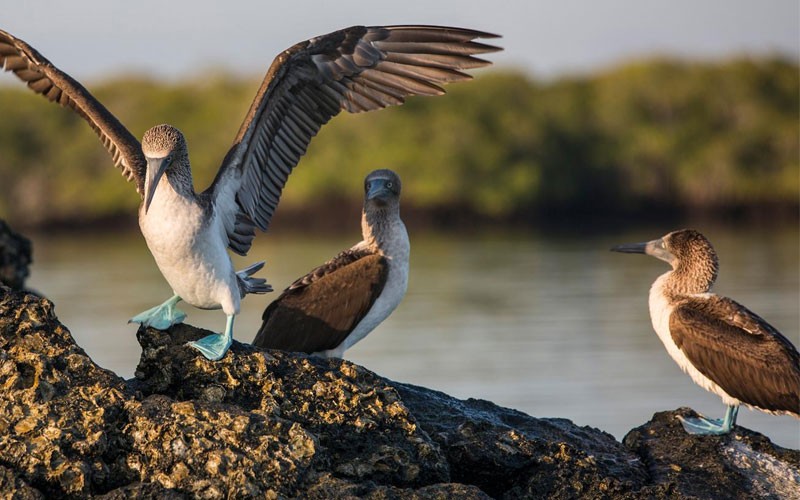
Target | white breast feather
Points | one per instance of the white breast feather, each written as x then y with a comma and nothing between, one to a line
190,254
660,311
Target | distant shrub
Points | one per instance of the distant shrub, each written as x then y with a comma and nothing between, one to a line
658,134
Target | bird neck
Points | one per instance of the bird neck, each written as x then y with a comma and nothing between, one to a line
377,225
180,180
692,276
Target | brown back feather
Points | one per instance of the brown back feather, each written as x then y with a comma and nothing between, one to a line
739,351
319,310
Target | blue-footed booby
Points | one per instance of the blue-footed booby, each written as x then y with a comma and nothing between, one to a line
338,303
355,69
723,346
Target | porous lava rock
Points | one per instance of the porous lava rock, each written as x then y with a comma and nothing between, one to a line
272,424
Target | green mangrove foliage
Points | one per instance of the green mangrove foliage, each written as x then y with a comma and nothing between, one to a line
661,134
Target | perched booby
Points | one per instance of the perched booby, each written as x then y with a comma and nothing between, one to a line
337,304
355,69
724,347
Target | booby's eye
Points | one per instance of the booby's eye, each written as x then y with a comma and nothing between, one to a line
390,184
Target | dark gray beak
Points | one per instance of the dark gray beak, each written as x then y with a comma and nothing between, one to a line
155,169
378,189
631,248
656,248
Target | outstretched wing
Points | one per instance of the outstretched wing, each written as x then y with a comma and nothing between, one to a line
318,311
739,351
355,69
45,79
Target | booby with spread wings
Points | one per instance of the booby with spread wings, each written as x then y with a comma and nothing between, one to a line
356,69
338,303
723,346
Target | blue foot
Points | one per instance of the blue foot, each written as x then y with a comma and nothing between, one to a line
161,317
710,426
214,346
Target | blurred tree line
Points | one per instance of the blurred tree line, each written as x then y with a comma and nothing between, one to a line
643,138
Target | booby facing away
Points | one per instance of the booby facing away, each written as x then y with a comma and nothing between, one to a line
724,347
355,69
337,304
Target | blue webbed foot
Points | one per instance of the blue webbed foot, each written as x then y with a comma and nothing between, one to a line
702,425
710,426
214,346
162,316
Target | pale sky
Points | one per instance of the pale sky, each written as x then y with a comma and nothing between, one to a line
177,38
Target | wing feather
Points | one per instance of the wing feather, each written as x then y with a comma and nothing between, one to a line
47,80
739,351
425,73
319,310
355,69
437,60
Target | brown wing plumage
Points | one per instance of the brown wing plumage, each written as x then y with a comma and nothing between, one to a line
319,310
47,80
355,69
739,351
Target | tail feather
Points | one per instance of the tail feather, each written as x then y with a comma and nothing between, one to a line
247,284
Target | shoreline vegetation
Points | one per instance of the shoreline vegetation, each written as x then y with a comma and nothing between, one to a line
649,140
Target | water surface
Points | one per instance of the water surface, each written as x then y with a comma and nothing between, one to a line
555,326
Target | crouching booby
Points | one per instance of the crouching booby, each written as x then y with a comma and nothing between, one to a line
355,69
724,347
337,304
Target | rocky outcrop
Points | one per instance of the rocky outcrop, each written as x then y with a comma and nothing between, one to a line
271,424
744,464
15,257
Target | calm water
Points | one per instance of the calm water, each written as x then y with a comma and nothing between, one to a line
552,326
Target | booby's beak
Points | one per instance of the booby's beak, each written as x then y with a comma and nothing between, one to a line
155,169
631,247
378,189
656,248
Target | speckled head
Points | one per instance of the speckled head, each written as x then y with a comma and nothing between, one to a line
690,254
691,250
165,150
381,188
162,140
